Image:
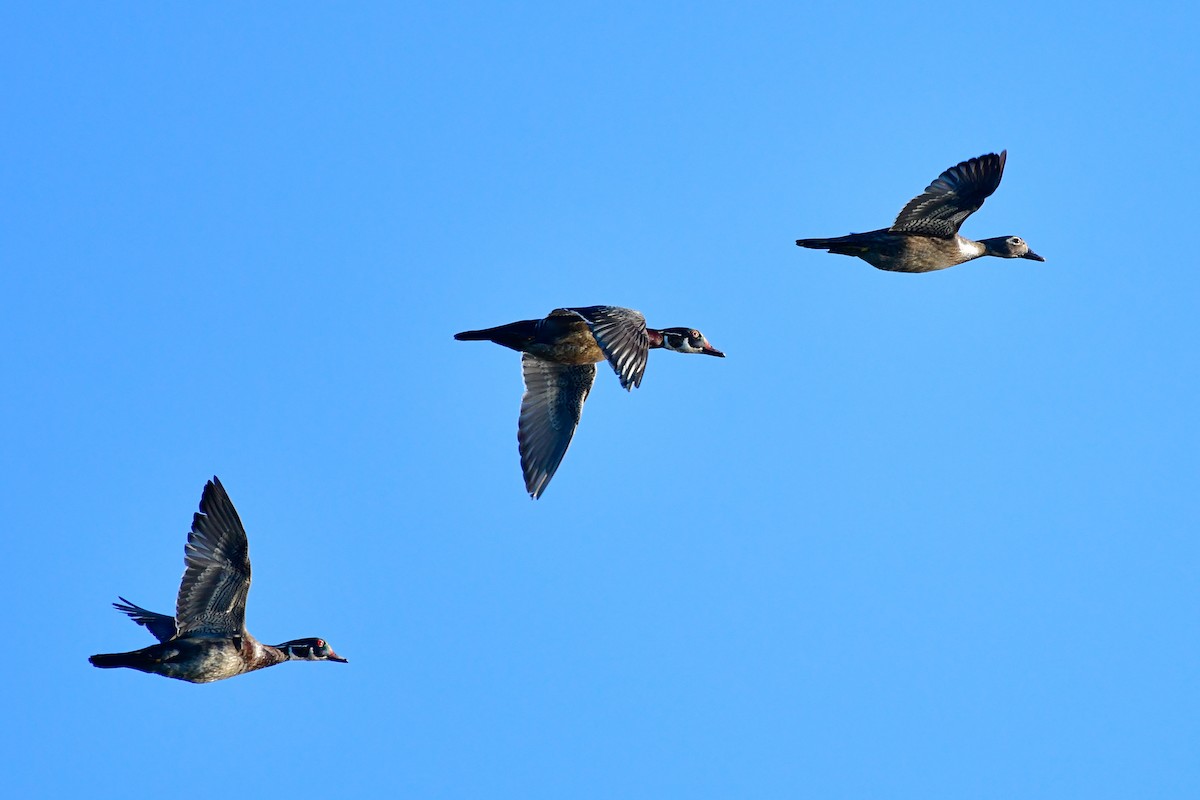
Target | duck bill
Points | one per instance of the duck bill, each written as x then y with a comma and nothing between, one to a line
335,657
1032,256
709,350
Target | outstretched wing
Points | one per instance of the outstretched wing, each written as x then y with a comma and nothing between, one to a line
621,334
955,195
550,411
160,625
216,577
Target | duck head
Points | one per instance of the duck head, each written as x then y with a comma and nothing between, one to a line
1009,247
683,340
310,650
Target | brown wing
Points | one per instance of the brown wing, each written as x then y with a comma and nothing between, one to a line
216,576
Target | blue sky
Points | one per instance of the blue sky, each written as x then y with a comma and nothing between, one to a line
917,536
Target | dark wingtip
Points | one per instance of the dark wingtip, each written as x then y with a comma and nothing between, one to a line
537,486
213,491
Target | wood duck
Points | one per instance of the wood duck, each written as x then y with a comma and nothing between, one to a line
207,640
925,235
558,362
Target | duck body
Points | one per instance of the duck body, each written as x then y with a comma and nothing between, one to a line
558,358
560,338
207,640
925,237
196,659
901,252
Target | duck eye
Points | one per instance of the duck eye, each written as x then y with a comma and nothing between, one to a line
695,334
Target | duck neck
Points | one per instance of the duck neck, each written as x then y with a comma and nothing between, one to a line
260,655
282,652
989,247
656,338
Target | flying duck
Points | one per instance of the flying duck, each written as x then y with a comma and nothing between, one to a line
207,640
924,236
559,354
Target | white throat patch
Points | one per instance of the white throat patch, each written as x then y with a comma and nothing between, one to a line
970,249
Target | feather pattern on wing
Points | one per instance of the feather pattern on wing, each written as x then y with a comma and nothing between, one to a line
955,195
621,334
216,577
550,411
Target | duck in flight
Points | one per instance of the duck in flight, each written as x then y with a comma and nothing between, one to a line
558,361
207,640
925,236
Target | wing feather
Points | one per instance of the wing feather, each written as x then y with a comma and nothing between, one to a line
621,334
550,412
160,626
216,576
955,195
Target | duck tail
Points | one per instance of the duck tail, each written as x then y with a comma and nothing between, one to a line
112,660
853,245
475,336
515,335
816,244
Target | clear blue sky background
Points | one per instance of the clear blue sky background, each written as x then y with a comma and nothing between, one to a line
917,536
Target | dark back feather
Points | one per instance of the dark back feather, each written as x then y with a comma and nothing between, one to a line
160,626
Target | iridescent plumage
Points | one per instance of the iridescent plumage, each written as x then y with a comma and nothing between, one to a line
207,640
559,354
